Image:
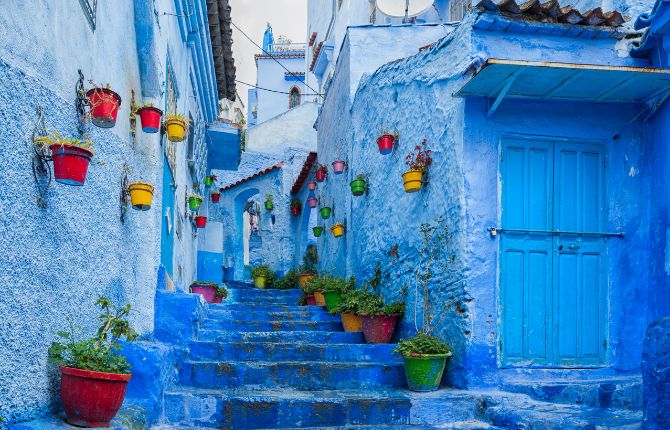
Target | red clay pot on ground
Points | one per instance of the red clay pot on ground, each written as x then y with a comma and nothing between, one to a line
104,104
151,119
208,292
311,301
320,175
385,143
378,328
216,197
200,221
70,163
91,399
312,202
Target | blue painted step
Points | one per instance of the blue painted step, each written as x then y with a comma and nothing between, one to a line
251,409
247,314
264,307
247,326
262,351
298,337
239,284
307,375
287,297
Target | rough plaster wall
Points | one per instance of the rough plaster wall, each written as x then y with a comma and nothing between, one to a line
271,75
294,128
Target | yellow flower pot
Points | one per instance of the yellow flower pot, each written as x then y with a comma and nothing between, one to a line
413,180
259,281
351,322
302,279
141,195
176,130
337,230
319,298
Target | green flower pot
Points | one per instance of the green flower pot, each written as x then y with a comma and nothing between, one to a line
332,300
358,187
424,372
318,231
209,181
325,212
269,206
194,203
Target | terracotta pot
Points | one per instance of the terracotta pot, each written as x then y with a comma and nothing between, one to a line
311,301
312,202
412,180
216,197
208,292
320,299
378,328
351,322
303,278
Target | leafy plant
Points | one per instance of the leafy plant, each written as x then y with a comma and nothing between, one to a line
97,353
264,271
296,204
420,158
395,308
422,344
340,285
309,261
317,283
177,117
350,303
286,282
321,168
360,177
194,196
369,303
268,198
56,139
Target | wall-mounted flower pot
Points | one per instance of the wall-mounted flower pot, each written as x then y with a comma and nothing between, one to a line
412,180
70,163
320,175
269,206
201,221
338,167
311,186
325,212
337,230
351,322
318,231
104,104
295,211
141,195
207,291
209,180
259,281
358,187
332,300
176,130
216,197
312,202
378,328
194,203
319,298
311,301
303,278
424,371
385,143
150,117
91,399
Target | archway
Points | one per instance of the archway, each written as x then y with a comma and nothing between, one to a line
246,235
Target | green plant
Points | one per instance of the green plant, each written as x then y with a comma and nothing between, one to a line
194,196
97,353
296,204
317,283
360,177
395,308
264,271
177,117
286,282
321,168
56,139
350,303
369,303
339,285
268,198
422,344
420,158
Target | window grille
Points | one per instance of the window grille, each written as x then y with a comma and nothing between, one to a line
294,98
458,9
90,7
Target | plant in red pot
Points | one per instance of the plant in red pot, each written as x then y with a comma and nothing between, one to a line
201,221
385,142
378,320
93,375
216,197
321,172
104,105
210,291
150,117
71,158
296,207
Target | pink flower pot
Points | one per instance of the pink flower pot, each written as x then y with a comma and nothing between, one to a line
311,186
312,202
338,167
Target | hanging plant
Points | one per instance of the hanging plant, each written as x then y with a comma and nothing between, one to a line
104,105
385,142
358,185
325,212
296,207
194,201
200,221
216,197
311,186
209,180
318,231
141,195
177,127
337,229
321,172
338,166
71,157
269,205
418,162
312,202
150,117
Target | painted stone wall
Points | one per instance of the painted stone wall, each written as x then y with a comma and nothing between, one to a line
293,128
272,75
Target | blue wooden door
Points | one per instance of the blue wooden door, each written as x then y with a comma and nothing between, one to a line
553,287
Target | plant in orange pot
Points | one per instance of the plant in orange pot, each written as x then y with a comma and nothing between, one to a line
94,376
418,161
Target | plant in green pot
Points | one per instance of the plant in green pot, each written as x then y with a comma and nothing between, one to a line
269,204
262,275
358,185
425,358
317,230
194,201
335,289
325,212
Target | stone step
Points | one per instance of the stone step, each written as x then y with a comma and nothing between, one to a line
297,337
306,375
264,351
242,285
461,425
247,314
261,307
258,409
286,297
247,326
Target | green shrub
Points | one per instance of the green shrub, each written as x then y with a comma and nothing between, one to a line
422,344
351,301
263,270
339,285
286,282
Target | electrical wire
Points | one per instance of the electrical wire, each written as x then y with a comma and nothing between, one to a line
272,56
273,91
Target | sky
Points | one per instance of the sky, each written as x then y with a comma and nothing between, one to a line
287,17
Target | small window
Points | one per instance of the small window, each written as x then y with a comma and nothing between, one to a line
90,7
294,97
458,9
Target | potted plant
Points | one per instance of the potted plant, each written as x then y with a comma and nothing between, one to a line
216,196
317,230
296,207
348,309
321,172
418,162
358,185
194,201
141,195
308,268
93,376
71,158
269,205
337,229
312,202
262,275
150,117
209,180
385,142
338,166
212,292
311,186
104,105
287,282
335,289
200,221
379,320
177,127
315,286
425,358
325,212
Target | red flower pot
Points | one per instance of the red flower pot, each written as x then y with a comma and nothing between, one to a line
311,301
338,167
208,292
320,175
104,104
295,211
91,399
385,143
312,201
216,197
378,328
200,221
311,186
150,118
70,163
